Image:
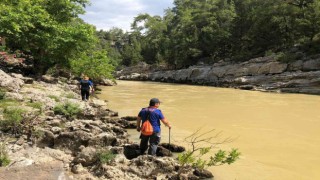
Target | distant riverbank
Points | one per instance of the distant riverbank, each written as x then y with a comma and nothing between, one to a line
261,74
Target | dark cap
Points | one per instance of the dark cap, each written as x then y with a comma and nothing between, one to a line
153,101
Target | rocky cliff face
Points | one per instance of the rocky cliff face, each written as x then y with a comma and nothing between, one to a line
91,144
264,74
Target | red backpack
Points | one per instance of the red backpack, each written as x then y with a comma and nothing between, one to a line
146,128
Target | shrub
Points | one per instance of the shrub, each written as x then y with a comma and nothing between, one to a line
54,98
106,157
68,109
195,156
287,57
70,96
12,119
36,105
2,94
4,103
4,158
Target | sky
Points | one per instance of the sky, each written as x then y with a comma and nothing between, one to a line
105,14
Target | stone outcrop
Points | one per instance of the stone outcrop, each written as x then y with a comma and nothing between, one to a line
263,74
50,145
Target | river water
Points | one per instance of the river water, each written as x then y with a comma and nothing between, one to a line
277,134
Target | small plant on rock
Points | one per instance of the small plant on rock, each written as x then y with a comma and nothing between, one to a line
202,146
2,94
68,109
54,98
106,157
12,119
36,105
70,96
4,158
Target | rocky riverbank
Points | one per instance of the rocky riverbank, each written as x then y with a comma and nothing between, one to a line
262,74
61,137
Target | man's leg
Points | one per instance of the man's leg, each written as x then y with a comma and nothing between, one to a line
87,94
83,94
154,141
143,143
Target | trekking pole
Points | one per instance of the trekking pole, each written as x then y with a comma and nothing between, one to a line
169,135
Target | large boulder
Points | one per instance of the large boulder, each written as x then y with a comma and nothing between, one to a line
10,83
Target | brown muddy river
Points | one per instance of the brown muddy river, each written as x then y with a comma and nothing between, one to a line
277,134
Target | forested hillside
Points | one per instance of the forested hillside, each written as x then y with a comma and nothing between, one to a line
206,31
192,32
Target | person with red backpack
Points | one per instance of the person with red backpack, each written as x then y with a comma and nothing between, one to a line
150,127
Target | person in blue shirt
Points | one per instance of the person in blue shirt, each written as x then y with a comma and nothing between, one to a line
85,86
155,117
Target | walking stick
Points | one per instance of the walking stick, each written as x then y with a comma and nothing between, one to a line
169,135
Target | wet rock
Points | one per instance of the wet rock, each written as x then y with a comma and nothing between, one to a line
129,118
127,124
107,82
173,147
131,151
161,151
111,113
202,173
246,87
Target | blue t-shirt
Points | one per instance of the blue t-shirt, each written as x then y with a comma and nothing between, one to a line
85,84
155,117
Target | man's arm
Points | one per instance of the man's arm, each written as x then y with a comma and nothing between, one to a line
138,123
166,122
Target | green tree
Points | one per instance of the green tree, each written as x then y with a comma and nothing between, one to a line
48,30
95,64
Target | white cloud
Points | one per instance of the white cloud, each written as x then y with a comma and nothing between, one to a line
105,14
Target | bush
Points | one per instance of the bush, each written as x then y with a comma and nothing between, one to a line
2,94
4,158
106,157
36,105
197,161
4,103
195,156
54,98
68,109
12,119
70,96
287,57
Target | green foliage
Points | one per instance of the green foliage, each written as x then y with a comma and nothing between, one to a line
198,161
54,98
96,65
48,30
38,133
2,48
106,157
12,119
4,103
287,57
2,94
219,29
4,158
70,96
36,105
68,109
